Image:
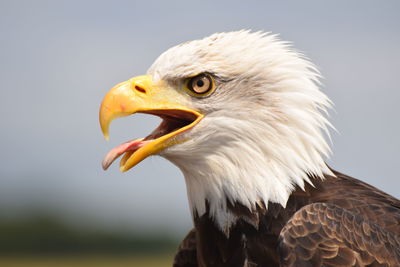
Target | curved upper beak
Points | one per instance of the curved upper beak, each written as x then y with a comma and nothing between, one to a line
124,99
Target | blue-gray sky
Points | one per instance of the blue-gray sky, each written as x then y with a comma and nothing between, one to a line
59,58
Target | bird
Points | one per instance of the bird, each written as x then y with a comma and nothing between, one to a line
245,120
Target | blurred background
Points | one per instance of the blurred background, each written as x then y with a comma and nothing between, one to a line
59,58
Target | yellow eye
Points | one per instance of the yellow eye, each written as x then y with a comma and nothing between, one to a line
200,85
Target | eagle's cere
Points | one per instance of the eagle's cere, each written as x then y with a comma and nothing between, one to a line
244,119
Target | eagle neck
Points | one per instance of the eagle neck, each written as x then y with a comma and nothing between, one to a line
224,194
251,167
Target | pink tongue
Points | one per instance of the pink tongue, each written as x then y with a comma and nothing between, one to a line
121,149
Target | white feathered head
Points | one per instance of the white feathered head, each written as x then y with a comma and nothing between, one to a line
243,118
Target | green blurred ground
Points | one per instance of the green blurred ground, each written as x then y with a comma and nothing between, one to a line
157,260
46,241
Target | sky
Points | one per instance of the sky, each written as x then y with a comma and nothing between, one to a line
59,58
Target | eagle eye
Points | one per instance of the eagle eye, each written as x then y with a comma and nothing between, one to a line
200,85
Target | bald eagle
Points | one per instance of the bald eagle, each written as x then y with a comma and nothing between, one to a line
244,120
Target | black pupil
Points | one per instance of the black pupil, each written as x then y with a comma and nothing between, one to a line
200,83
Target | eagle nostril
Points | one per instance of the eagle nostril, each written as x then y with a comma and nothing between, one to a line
140,89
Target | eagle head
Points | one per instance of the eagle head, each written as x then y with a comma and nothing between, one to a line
242,117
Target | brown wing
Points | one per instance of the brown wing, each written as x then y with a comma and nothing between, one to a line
186,255
322,234
359,198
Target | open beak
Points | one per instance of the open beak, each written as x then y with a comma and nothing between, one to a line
140,95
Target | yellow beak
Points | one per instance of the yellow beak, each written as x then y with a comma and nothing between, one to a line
139,94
